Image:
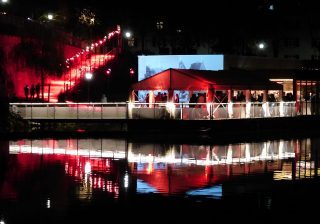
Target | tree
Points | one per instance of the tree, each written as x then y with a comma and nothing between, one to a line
42,52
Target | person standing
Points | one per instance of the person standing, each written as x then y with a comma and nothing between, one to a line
32,91
26,91
38,90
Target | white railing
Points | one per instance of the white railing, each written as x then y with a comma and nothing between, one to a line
180,111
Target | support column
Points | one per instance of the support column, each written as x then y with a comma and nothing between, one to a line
265,96
265,105
230,104
132,97
280,95
248,103
317,98
210,100
210,94
151,99
230,94
170,96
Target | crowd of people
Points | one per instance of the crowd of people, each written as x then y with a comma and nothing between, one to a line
32,92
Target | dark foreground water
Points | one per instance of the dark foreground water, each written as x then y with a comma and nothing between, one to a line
104,180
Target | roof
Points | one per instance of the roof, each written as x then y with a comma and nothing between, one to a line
196,80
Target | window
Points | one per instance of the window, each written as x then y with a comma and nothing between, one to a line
131,42
159,25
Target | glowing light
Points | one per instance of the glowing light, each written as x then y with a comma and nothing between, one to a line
130,107
265,109
88,76
87,168
4,1
48,203
230,109
50,16
2,221
128,34
248,109
131,71
281,109
171,108
108,71
126,180
261,46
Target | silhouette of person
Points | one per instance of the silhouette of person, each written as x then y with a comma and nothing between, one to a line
26,91
147,100
32,91
38,90
176,99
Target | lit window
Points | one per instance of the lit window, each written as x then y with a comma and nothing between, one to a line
160,25
131,42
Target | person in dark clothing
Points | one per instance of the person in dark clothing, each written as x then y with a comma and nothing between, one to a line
26,91
32,91
193,99
38,90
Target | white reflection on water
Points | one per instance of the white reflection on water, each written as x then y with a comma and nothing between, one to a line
210,192
170,168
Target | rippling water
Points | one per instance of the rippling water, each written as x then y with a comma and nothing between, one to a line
80,180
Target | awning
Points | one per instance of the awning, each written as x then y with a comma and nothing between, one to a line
200,80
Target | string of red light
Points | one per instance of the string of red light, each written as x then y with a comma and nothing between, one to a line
94,45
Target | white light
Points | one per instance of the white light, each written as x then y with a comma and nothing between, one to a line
50,16
88,75
29,18
248,109
48,203
2,222
128,34
261,46
87,168
4,1
126,180
171,108
230,109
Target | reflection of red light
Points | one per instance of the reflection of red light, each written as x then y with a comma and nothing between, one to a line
81,130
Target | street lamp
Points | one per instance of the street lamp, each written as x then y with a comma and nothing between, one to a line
88,76
128,34
50,16
261,46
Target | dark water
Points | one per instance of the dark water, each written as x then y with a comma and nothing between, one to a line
89,180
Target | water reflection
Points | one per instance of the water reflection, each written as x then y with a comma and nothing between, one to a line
169,169
57,172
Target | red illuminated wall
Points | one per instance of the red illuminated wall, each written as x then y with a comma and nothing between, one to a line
17,78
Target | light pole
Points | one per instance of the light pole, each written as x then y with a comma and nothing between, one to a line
88,77
128,37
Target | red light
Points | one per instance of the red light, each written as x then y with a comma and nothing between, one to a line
131,71
108,71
